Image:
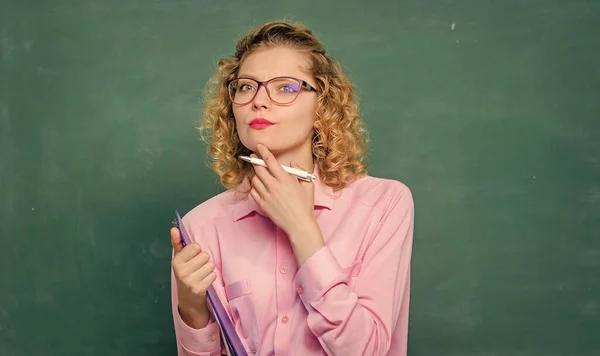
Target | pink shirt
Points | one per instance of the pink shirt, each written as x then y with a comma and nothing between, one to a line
350,298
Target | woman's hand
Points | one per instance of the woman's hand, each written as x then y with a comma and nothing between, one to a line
194,273
289,202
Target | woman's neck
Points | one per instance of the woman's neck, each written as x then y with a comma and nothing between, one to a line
305,162
302,156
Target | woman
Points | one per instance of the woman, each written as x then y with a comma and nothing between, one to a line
304,268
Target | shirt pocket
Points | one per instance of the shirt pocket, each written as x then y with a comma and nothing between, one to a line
352,271
243,312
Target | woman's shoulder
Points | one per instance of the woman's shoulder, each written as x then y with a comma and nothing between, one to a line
378,192
220,205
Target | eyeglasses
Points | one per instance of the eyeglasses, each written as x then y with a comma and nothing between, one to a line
281,90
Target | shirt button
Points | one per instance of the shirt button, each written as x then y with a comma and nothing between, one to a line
283,270
284,320
213,337
300,290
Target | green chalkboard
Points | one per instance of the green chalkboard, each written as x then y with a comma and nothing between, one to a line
488,110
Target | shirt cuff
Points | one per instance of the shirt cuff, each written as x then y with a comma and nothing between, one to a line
200,342
318,275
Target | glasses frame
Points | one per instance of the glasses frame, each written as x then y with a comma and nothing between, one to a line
302,83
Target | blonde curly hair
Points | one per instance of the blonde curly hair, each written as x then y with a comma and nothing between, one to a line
339,139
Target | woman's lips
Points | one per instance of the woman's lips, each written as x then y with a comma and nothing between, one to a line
260,124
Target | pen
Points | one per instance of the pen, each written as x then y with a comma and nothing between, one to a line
298,173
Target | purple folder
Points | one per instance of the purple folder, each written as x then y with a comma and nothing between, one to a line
232,340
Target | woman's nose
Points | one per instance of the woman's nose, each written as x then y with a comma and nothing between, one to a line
261,99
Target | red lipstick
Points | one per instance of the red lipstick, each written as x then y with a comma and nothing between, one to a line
259,123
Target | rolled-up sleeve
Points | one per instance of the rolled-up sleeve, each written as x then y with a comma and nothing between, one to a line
361,320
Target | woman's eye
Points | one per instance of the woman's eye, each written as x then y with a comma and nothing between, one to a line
290,88
244,87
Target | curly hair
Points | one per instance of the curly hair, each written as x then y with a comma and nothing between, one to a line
339,139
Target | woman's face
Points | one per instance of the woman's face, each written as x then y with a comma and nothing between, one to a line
289,127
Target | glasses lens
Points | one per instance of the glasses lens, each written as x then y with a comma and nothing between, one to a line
284,90
281,90
242,91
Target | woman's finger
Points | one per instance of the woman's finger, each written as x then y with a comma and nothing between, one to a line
258,185
274,167
200,280
176,241
195,263
254,194
265,176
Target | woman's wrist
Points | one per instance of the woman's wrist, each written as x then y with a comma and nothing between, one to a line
195,316
304,230
306,240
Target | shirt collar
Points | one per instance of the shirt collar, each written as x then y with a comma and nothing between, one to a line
245,204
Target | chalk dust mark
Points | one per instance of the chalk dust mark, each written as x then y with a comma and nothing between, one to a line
47,71
27,45
6,47
4,118
591,307
594,195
